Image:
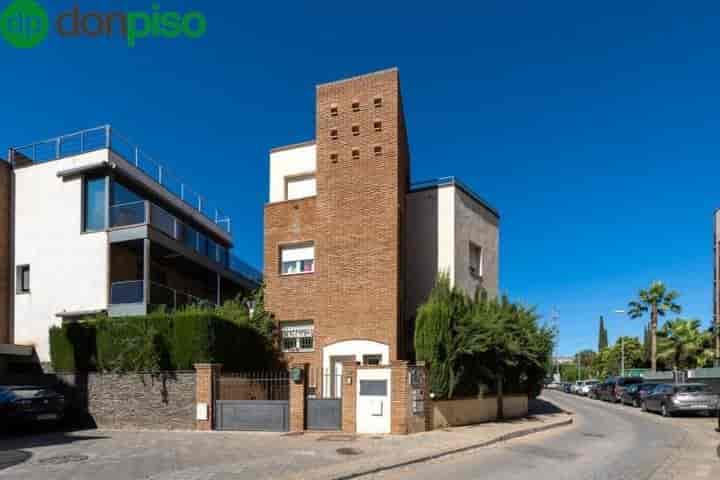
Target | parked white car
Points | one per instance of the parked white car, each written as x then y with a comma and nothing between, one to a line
587,385
575,387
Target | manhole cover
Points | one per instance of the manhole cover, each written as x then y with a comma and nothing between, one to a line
63,459
593,435
337,438
377,438
348,451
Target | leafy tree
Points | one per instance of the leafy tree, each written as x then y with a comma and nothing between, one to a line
435,333
683,344
602,335
658,301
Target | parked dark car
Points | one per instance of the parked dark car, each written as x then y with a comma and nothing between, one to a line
27,403
686,397
635,394
612,389
566,387
593,391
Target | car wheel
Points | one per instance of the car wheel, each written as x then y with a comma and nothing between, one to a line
643,407
664,410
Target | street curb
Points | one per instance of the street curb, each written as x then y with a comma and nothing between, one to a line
434,456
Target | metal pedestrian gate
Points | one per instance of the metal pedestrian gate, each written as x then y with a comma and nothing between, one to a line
324,402
253,401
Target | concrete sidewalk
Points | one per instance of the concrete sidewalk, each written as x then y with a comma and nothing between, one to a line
114,455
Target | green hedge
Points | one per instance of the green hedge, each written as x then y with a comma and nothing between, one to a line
160,341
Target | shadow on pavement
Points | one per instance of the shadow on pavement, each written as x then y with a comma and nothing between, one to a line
14,442
538,406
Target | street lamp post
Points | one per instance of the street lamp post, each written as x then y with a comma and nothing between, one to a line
622,347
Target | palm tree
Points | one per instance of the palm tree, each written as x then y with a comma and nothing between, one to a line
683,344
658,301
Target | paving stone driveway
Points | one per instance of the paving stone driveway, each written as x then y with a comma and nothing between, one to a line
114,455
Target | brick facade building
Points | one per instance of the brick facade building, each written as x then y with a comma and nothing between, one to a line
337,233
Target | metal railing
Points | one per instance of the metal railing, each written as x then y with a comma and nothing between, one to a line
133,291
172,299
273,385
106,137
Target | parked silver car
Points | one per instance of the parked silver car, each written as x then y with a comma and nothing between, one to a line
670,399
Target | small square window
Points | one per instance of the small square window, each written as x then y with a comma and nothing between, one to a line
333,110
333,134
355,153
356,130
334,157
355,106
377,125
377,149
23,279
377,101
297,336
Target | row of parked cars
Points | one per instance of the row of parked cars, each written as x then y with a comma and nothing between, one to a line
665,398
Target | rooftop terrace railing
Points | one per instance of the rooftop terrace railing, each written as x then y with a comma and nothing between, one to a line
106,137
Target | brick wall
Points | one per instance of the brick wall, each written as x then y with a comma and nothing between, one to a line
6,267
349,392
355,221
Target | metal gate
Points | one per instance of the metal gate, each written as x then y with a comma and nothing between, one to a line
253,401
324,402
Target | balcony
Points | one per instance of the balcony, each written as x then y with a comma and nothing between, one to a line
105,137
144,212
132,292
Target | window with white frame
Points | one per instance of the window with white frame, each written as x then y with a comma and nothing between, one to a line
475,260
295,259
297,336
300,186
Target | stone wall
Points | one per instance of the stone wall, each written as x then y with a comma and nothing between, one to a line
470,411
164,401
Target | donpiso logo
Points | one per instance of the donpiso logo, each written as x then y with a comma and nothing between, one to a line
24,23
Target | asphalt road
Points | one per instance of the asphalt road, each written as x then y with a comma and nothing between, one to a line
607,442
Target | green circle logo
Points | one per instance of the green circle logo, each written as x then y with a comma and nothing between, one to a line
24,24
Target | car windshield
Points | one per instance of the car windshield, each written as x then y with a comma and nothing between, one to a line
24,393
692,389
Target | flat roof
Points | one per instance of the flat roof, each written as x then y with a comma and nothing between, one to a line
369,74
291,146
452,181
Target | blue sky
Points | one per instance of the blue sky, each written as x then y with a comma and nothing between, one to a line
593,128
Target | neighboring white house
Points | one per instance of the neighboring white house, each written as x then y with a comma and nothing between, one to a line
99,227
450,230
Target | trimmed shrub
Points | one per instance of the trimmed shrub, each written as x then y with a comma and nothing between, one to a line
161,341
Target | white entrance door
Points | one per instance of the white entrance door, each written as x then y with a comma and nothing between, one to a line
373,401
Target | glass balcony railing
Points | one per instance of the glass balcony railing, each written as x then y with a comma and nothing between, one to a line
106,137
135,213
132,291
125,214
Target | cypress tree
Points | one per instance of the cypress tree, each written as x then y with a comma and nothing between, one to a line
602,336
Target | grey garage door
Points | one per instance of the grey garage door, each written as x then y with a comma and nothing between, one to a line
262,415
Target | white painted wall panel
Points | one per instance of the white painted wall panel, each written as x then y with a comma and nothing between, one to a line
68,269
287,163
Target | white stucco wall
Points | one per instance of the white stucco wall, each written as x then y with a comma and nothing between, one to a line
430,242
441,223
68,269
289,162
357,348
